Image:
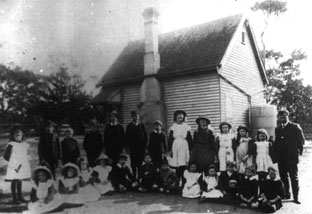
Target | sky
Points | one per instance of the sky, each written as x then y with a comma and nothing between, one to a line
88,35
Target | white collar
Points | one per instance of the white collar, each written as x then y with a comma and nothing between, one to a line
118,164
157,132
136,124
113,124
285,124
229,174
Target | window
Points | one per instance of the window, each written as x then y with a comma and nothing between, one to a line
243,37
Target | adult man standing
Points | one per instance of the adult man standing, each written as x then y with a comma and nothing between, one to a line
136,141
288,145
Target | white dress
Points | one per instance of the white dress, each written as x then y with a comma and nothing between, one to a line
18,167
226,152
263,159
88,192
241,152
42,192
191,188
180,149
211,183
73,198
105,185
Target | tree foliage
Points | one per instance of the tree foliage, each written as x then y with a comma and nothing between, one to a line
27,96
286,89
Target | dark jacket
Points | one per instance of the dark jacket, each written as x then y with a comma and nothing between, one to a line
114,139
248,187
157,145
224,180
49,148
136,139
272,189
148,174
288,143
70,150
121,175
168,178
93,144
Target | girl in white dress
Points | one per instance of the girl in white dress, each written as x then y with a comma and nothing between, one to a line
102,182
191,188
69,184
263,151
209,184
180,143
18,168
86,181
244,155
225,142
43,194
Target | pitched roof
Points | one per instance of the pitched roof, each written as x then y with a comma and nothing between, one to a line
194,47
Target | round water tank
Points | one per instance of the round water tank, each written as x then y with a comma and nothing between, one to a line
263,117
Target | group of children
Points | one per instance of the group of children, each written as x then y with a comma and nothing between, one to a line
219,168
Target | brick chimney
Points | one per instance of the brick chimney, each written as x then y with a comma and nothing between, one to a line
152,106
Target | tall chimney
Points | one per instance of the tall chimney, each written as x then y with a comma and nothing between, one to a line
152,106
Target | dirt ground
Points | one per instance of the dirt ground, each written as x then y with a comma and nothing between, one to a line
146,203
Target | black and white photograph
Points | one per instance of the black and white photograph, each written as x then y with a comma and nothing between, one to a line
155,106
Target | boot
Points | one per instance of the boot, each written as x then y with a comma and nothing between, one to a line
19,193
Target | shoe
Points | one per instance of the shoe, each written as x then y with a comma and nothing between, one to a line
296,201
23,200
16,202
243,205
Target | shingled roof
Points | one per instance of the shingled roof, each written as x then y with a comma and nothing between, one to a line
189,48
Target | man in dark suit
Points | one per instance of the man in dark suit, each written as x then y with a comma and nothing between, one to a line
288,145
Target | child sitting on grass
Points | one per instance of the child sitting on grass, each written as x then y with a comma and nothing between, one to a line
122,178
86,181
168,180
148,175
43,195
69,184
248,189
209,185
101,172
191,188
273,192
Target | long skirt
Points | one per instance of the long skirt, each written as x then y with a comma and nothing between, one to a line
89,193
41,207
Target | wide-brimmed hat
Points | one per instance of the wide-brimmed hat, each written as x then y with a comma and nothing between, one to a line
242,127
202,117
69,165
225,123
103,157
176,113
158,122
42,168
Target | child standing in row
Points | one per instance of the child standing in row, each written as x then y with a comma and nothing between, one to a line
180,142
18,168
101,172
70,148
86,181
157,146
244,145
263,150
205,152
226,144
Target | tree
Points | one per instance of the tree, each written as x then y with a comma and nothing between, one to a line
286,89
65,99
19,91
270,9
